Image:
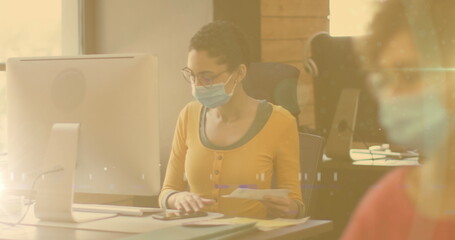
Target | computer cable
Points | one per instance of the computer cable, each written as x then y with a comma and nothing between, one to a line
57,169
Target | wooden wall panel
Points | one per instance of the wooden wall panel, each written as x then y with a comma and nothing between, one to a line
292,27
282,50
303,8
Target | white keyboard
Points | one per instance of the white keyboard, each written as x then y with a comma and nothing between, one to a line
120,210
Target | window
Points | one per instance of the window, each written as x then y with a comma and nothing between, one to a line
351,17
35,28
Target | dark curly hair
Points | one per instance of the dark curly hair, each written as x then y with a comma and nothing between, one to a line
224,41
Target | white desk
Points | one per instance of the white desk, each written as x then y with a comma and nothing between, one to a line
49,233
123,226
309,229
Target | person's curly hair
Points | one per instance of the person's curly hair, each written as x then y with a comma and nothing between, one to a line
392,19
224,41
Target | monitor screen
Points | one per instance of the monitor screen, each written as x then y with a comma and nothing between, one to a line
339,69
114,98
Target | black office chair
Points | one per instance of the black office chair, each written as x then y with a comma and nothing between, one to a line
274,82
311,151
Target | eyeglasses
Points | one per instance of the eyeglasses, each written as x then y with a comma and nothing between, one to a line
206,79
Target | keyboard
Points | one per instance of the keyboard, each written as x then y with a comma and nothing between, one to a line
120,210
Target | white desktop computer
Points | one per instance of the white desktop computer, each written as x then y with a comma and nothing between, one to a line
107,106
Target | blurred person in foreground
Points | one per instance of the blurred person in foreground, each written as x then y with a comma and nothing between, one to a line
411,55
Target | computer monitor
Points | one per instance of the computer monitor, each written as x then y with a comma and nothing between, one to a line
340,69
114,98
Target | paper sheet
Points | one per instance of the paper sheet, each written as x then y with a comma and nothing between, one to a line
257,194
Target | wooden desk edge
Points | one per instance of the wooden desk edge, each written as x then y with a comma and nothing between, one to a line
301,231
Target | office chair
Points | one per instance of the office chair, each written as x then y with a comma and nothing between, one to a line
274,82
311,150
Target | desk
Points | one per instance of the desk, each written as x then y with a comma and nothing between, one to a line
85,231
311,228
49,233
306,230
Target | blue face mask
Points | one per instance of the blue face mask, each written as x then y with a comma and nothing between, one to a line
417,121
213,96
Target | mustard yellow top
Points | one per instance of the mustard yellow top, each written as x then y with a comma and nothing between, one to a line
273,153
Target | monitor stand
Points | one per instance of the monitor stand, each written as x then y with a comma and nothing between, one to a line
342,129
55,192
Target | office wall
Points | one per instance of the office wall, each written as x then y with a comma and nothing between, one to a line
160,27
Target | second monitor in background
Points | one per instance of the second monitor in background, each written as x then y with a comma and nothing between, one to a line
339,68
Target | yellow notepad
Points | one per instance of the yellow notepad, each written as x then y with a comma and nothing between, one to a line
264,225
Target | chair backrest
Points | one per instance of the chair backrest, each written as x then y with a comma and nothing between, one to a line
274,82
311,150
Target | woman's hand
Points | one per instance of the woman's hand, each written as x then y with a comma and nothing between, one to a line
282,207
188,202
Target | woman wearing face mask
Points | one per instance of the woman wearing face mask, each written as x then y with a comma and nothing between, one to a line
226,139
412,47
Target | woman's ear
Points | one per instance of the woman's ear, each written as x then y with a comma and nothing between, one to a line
241,73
